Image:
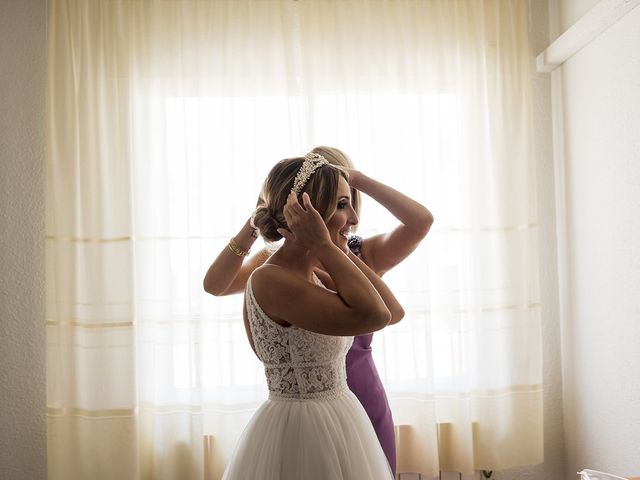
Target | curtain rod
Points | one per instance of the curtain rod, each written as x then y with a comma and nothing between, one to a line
604,14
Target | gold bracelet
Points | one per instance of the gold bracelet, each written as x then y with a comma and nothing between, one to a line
235,248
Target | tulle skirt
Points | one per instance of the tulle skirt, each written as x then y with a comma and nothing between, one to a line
316,439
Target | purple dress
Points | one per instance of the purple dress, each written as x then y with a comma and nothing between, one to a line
364,382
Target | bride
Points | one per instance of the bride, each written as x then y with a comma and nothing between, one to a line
312,426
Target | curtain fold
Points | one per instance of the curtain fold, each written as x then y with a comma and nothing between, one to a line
164,117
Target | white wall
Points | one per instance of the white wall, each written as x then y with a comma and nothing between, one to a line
601,334
22,330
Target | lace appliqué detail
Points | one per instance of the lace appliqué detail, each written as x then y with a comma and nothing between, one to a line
298,364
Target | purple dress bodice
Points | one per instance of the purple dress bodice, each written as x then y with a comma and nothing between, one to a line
365,383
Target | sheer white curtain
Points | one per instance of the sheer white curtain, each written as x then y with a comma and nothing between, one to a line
164,117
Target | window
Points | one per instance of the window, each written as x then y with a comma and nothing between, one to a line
214,174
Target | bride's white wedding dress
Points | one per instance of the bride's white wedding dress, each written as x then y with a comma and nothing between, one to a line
312,427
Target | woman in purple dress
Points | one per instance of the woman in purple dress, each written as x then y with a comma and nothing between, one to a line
229,272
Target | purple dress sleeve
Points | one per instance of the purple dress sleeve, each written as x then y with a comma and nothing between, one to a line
365,383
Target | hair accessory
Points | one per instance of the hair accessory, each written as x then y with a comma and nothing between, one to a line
312,161
235,248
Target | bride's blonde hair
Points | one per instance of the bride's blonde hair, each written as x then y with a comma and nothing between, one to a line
322,187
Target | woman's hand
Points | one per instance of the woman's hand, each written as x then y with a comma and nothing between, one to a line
353,176
305,223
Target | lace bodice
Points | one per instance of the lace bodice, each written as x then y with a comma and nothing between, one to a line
298,364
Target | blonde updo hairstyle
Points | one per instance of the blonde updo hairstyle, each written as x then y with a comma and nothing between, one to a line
322,188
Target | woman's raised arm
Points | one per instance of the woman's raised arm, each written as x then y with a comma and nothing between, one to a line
229,272
384,251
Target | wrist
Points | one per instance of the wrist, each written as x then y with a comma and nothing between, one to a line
247,236
321,246
250,227
237,249
354,179
355,259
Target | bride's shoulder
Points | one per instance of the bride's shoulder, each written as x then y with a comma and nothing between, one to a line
270,285
267,271
270,279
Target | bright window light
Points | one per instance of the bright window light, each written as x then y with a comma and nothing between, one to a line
409,140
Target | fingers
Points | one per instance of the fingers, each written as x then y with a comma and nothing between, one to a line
288,235
297,214
292,215
292,207
292,201
308,206
295,203
306,201
290,211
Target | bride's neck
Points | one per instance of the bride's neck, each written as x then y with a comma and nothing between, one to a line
295,258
